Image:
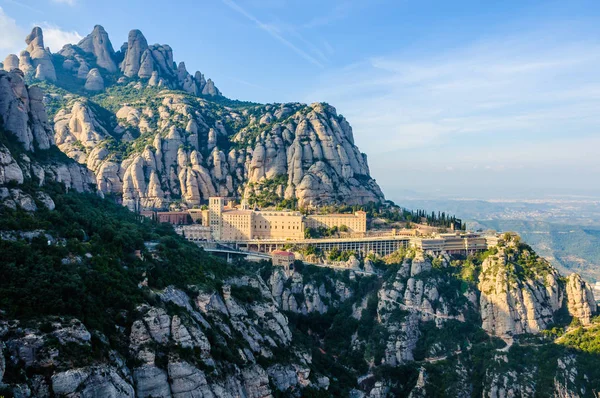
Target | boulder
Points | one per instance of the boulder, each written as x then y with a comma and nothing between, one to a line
94,81
11,62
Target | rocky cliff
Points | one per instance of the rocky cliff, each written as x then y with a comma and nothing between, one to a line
426,317
155,134
27,149
171,351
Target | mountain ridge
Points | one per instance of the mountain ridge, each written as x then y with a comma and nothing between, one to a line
155,135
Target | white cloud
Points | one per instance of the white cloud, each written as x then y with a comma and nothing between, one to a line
67,2
12,39
56,38
481,92
526,107
273,31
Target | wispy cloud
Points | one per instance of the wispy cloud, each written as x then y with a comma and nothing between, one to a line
67,2
273,32
504,103
55,37
482,90
338,12
12,37
23,5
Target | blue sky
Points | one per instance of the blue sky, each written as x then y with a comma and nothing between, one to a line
463,98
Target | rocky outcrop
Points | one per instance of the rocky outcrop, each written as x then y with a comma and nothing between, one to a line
25,121
79,131
183,148
9,168
186,161
300,296
11,62
412,299
22,112
94,81
94,61
209,88
41,60
136,46
29,347
580,299
155,331
96,381
155,63
514,304
98,44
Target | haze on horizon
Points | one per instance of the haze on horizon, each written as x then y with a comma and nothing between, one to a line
460,99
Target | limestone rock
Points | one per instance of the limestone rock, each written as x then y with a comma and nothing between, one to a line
136,46
41,59
210,89
508,308
25,63
152,382
83,71
23,112
25,201
76,128
11,62
98,43
98,381
188,381
94,81
580,299
9,169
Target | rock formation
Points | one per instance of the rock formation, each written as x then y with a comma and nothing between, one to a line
156,329
151,63
136,46
580,299
310,149
184,147
41,60
94,81
98,44
23,113
512,305
24,120
11,62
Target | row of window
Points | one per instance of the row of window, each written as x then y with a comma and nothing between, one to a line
275,227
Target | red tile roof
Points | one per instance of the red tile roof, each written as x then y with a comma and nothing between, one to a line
282,253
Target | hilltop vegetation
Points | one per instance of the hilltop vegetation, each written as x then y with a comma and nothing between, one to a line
573,248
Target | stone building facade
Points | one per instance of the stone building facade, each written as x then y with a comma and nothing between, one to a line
231,224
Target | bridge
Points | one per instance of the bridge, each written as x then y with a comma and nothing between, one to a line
230,253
